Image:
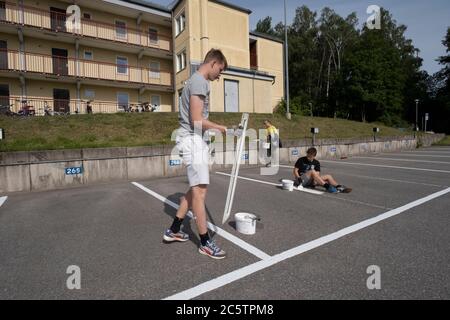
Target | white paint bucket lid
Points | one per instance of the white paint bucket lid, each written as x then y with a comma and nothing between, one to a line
245,222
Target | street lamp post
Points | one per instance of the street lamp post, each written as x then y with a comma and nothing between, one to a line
286,52
417,115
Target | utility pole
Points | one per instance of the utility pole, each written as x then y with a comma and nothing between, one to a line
286,52
417,115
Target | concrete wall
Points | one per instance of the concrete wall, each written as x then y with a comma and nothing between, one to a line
45,170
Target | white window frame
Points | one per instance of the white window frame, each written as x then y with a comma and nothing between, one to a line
117,65
119,36
181,61
157,35
92,54
180,23
153,74
118,102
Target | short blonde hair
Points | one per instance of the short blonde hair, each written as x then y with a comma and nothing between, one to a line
216,55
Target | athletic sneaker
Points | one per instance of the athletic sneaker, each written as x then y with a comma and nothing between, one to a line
332,189
212,250
170,236
344,189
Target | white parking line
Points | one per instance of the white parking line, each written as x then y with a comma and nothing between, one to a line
240,243
405,160
381,166
2,200
384,179
414,155
312,191
255,267
272,184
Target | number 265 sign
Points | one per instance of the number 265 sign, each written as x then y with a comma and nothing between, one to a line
74,171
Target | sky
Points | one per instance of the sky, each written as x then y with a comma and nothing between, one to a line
427,21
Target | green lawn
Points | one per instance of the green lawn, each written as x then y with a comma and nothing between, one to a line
146,129
444,142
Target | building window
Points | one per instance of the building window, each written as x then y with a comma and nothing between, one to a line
89,94
88,55
153,36
122,101
180,24
181,61
121,29
180,95
156,102
122,65
155,70
87,16
2,10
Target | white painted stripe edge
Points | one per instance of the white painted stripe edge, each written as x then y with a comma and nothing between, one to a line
224,234
250,269
3,200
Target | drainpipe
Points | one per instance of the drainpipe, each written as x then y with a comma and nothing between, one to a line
78,107
174,66
204,38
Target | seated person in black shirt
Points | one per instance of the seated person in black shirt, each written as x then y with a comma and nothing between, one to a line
307,174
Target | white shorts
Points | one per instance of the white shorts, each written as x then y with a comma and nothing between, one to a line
195,154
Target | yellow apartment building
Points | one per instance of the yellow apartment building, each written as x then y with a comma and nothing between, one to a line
114,56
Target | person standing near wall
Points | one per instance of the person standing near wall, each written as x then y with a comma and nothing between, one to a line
194,112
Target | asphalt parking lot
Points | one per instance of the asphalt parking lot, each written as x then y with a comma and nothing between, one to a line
306,246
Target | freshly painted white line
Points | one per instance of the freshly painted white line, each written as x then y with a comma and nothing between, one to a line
255,267
273,184
2,200
414,155
313,192
384,179
434,151
381,166
405,160
240,243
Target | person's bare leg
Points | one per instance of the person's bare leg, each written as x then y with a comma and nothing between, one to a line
328,178
198,207
185,205
317,179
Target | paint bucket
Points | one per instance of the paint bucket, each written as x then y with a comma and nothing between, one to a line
288,184
245,222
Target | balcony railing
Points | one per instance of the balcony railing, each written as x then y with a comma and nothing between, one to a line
38,106
55,21
79,68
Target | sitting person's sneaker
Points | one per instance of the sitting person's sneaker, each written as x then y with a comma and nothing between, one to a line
212,250
332,189
343,189
170,236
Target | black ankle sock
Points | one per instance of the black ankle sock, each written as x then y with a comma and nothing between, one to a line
176,225
204,238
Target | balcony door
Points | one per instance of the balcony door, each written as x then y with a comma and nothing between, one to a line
59,57
3,55
4,95
58,19
2,11
61,100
